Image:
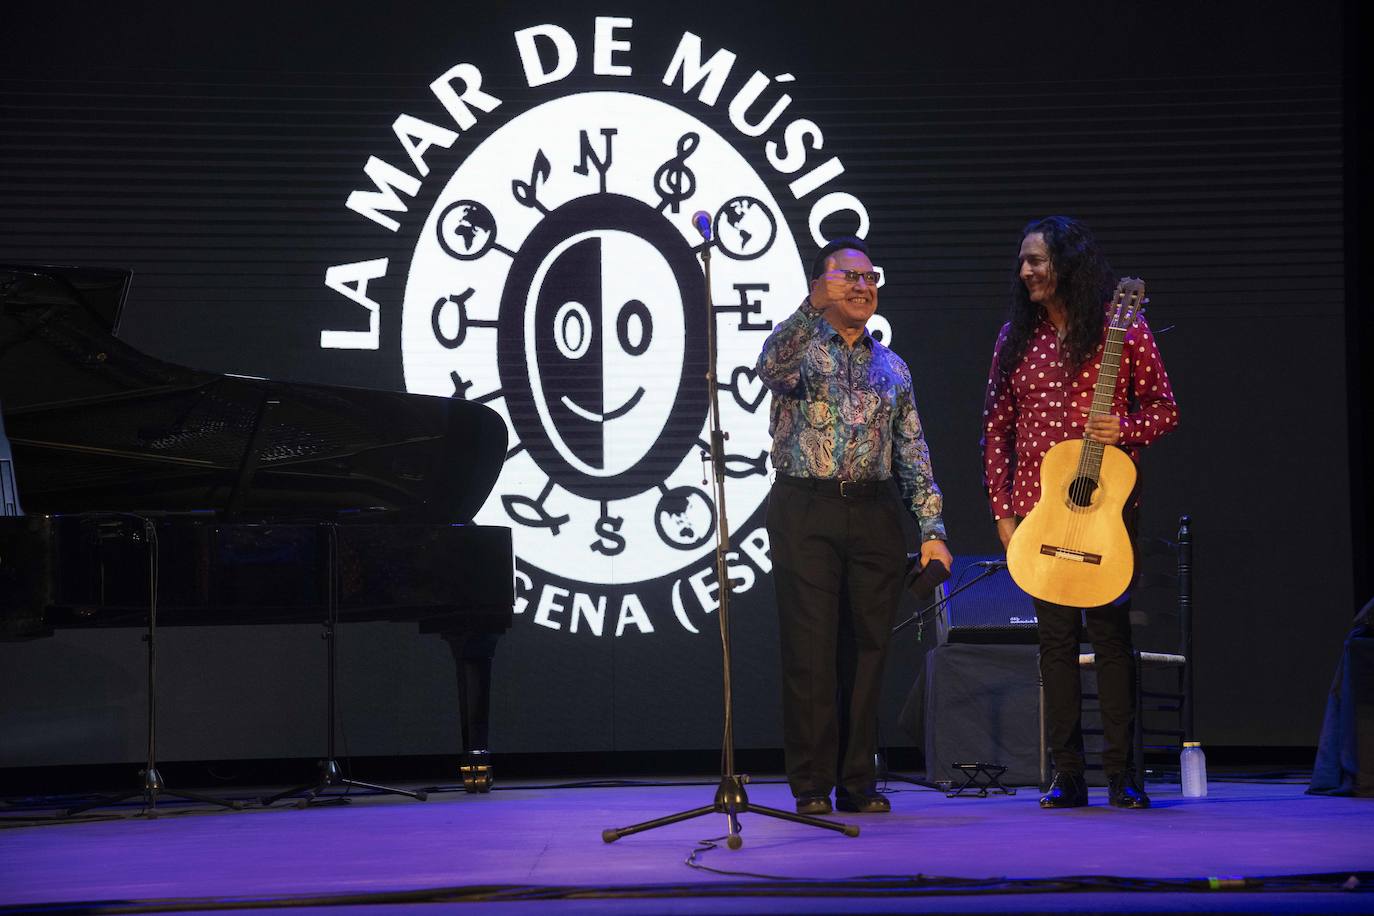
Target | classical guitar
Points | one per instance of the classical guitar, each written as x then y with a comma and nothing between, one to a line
1073,547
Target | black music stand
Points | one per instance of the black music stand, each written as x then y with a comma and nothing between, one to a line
330,773
731,799
153,786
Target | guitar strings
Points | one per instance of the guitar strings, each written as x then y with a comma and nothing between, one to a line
1092,453
1074,525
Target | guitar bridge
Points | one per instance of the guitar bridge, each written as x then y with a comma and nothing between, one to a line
1066,553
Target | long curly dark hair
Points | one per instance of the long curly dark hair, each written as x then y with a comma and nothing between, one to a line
1084,280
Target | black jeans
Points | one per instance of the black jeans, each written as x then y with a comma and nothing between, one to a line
838,563
1109,630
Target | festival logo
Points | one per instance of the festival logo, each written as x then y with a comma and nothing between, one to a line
557,279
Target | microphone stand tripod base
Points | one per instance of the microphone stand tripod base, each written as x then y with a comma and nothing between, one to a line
153,788
332,776
732,801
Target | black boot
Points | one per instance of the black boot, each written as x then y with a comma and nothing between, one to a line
1068,790
869,801
1125,791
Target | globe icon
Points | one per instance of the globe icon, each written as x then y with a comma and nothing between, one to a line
466,229
745,228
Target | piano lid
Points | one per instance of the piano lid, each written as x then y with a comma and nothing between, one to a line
95,424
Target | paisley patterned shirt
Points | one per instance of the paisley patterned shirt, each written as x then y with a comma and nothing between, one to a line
847,413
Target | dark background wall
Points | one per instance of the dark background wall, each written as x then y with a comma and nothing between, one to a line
211,150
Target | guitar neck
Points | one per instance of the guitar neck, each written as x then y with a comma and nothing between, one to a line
1104,392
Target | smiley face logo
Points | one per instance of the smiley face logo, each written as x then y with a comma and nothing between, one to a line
557,279
596,344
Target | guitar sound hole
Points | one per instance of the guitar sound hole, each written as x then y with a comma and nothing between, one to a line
1081,491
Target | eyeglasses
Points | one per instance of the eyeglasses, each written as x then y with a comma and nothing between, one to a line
872,276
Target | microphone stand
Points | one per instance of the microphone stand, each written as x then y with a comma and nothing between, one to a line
330,773
731,799
919,617
153,787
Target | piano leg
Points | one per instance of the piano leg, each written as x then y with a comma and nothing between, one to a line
472,654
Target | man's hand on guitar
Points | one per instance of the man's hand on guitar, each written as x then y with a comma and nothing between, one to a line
1005,526
1103,428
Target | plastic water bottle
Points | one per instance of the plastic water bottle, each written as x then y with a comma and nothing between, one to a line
1194,766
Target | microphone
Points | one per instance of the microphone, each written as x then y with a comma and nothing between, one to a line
923,580
702,221
991,564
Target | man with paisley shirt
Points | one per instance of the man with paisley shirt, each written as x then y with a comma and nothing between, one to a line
844,426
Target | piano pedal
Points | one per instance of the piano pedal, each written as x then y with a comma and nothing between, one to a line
476,772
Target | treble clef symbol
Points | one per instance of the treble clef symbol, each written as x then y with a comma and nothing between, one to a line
674,181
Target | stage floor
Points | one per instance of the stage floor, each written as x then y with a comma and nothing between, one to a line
530,847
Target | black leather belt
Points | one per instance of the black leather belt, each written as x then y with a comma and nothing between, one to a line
850,489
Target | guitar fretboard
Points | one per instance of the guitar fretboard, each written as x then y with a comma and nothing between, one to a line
1104,392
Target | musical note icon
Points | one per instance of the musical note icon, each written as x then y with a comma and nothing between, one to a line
527,192
674,181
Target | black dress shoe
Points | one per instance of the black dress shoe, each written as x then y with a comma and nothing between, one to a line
813,804
1068,790
868,802
1123,791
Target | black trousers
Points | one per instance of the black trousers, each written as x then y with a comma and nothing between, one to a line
838,563
1109,631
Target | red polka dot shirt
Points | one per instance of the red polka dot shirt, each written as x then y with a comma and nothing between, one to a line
1041,403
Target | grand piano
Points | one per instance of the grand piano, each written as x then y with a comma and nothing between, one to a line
268,502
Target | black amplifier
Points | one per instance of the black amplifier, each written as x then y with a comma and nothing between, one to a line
992,610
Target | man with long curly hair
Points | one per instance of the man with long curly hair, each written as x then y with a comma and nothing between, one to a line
1040,388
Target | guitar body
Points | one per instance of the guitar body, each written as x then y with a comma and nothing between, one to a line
1071,554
